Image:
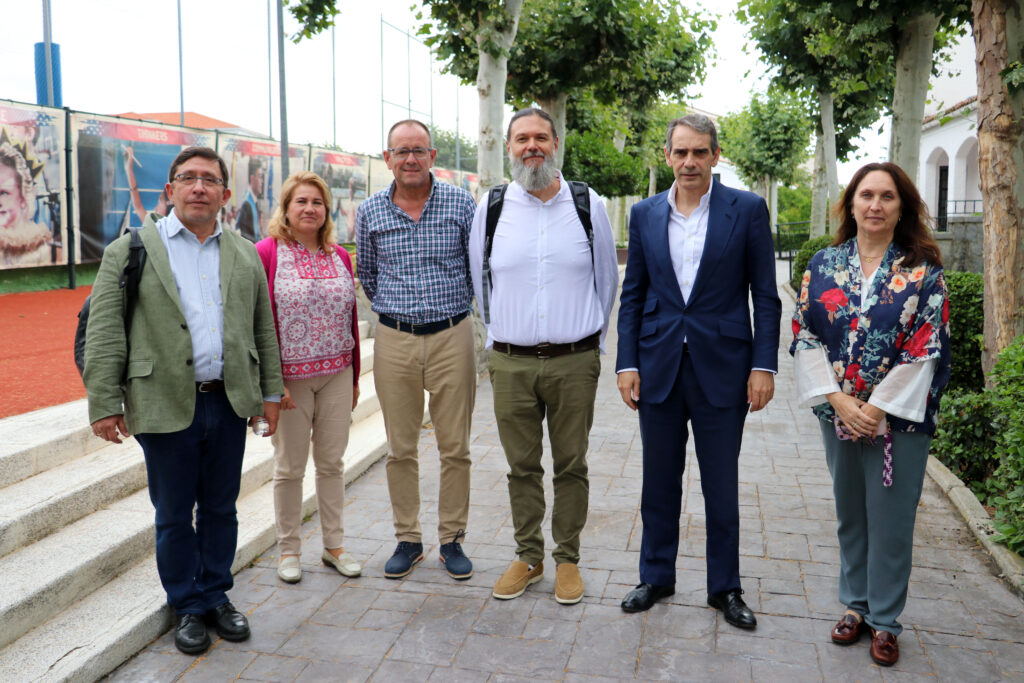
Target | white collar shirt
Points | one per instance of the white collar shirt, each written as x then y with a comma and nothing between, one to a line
686,235
196,269
544,286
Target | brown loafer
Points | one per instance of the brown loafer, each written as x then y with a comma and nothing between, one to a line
848,631
884,649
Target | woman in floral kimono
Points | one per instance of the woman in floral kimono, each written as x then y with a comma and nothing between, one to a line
871,348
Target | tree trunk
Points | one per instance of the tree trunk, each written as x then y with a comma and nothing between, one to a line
913,70
999,39
556,106
619,140
652,180
819,189
490,85
828,130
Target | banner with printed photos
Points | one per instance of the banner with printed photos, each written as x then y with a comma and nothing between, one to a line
120,173
33,192
254,167
348,177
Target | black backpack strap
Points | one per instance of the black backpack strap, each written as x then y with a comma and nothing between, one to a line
131,275
495,200
581,198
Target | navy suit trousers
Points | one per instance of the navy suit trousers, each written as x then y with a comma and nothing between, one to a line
199,467
717,434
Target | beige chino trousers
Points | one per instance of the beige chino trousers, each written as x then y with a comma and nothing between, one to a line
323,406
442,364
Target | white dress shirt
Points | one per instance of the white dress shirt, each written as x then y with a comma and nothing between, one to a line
543,278
686,235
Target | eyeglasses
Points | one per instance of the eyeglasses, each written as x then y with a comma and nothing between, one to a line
190,180
403,152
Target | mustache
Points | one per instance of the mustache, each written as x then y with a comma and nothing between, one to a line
531,155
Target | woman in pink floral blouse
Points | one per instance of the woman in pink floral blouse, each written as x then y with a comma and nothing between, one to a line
871,346
312,293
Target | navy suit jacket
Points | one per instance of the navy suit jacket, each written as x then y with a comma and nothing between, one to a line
654,319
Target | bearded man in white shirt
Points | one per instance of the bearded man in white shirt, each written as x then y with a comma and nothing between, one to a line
548,293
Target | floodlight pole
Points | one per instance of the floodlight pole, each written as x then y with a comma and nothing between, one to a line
47,43
284,110
181,72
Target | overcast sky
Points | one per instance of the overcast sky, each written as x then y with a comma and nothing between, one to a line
122,55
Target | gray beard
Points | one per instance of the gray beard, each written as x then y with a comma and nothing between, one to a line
533,178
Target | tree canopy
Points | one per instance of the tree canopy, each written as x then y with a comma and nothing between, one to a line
767,139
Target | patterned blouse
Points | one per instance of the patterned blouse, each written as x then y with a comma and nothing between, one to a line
888,326
314,296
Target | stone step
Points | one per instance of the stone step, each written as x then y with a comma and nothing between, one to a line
35,442
40,505
100,629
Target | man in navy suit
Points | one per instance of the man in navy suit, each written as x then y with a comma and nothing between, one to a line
687,354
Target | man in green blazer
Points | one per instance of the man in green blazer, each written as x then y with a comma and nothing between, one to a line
199,359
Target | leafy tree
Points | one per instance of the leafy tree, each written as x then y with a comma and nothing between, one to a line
842,79
444,142
766,141
594,159
567,47
474,38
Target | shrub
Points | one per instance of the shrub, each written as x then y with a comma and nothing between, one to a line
803,257
1008,375
966,326
966,438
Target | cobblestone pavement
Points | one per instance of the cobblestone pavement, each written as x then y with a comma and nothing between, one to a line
961,623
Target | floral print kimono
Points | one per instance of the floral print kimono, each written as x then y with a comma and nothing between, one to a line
883,339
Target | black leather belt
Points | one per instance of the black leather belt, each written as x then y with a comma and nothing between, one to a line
210,386
422,328
550,350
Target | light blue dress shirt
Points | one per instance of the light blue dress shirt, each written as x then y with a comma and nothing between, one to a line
196,269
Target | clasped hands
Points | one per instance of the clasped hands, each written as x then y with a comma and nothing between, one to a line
859,418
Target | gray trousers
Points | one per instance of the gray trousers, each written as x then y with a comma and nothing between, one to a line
876,524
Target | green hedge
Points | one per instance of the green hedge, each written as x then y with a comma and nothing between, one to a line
803,257
980,437
966,326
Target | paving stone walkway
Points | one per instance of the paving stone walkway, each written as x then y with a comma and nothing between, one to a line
962,623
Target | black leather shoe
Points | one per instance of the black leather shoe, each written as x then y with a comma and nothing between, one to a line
190,634
229,622
736,611
643,597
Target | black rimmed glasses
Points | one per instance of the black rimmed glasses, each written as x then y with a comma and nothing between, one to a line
404,152
190,180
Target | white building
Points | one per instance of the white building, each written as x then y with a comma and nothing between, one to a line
948,173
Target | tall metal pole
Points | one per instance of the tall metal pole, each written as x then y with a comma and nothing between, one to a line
385,142
334,88
47,42
280,77
270,80
458,141
408,71
181,73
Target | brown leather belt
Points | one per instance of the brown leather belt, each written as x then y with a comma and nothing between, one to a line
550,350
421,328
210,386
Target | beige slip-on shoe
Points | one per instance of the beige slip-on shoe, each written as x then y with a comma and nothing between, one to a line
289,570
516,578
568,584
344,563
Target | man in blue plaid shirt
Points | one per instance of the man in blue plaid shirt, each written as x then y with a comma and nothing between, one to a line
412,255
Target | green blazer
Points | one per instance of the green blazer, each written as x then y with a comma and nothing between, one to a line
160,393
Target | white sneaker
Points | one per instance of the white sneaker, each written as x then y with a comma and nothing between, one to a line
344,563
289,570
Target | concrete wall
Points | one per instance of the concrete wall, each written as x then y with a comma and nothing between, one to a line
961,244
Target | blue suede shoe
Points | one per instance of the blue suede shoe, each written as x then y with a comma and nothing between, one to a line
455,561
407,555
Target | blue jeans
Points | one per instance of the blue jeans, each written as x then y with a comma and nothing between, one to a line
199,466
